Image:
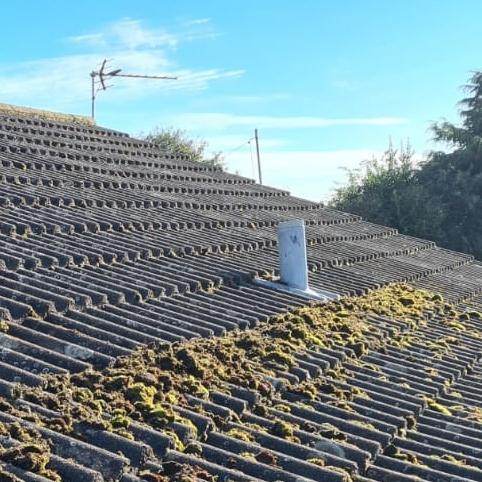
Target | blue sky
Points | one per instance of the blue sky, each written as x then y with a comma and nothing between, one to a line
327,83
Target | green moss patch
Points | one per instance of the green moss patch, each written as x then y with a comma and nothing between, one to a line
148,386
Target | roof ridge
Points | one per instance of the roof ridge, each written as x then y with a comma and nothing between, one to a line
46,114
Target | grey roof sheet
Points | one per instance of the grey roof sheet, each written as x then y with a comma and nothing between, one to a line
108,244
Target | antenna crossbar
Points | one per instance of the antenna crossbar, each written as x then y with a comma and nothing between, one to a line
102,75
136,76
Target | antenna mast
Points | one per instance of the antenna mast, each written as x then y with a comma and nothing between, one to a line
102,75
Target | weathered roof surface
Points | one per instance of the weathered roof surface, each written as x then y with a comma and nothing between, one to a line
44,115
108,244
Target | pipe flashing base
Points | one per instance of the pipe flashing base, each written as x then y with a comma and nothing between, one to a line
309,294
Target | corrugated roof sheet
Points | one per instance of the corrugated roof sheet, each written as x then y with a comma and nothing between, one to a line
108,245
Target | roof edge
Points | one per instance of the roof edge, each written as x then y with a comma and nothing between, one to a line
46,115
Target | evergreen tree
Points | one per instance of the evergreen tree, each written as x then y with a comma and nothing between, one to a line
454,178
442,198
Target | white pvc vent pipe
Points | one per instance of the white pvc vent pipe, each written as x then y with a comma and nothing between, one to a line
292,254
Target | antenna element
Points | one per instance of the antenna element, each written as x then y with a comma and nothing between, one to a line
102,75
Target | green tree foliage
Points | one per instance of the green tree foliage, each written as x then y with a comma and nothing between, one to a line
440,199
455,177
377,188
178,141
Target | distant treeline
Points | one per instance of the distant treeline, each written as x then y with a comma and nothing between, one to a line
439,198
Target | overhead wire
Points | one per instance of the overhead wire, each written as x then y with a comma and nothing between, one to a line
239,147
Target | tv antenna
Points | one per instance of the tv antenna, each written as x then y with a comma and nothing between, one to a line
99,77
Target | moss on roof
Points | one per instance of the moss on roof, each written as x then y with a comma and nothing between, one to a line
149,386
46,115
